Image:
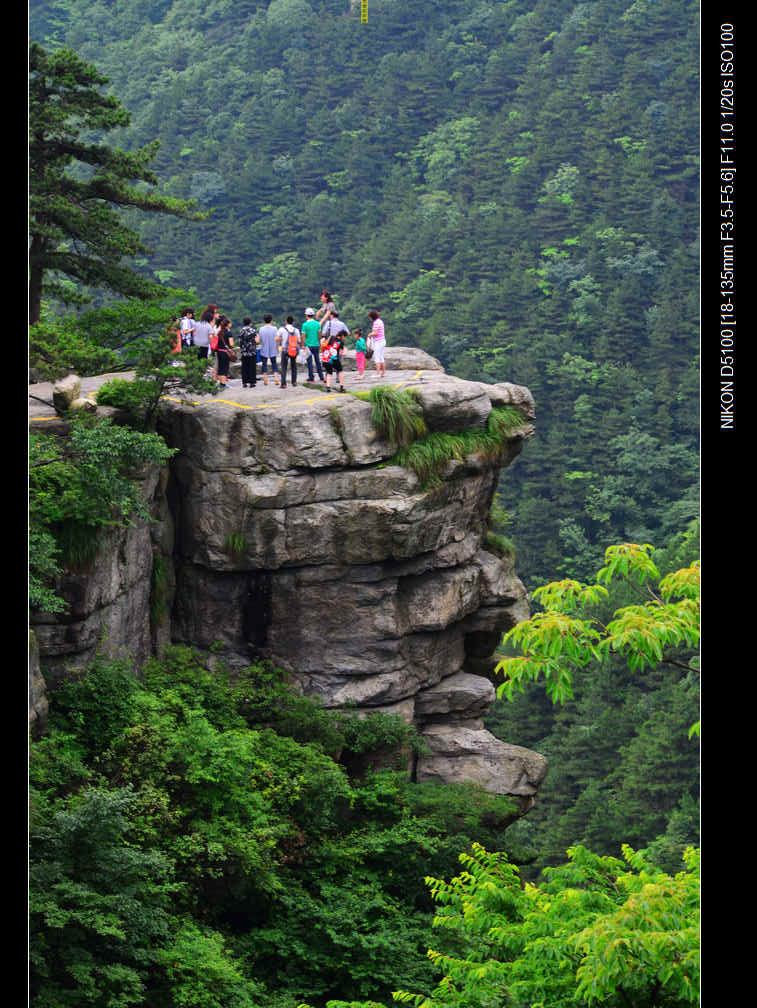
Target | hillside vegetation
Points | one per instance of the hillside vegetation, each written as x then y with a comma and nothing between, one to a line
514,184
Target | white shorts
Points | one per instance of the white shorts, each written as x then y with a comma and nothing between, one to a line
378,351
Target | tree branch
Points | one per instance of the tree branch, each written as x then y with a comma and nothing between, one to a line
680,665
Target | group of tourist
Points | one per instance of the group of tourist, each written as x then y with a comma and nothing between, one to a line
319,343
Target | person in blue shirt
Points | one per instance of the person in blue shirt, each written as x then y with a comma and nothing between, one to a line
268,349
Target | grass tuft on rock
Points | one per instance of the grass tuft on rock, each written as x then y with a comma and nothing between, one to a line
396,414
429,456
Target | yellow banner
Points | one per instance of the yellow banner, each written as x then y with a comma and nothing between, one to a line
364,11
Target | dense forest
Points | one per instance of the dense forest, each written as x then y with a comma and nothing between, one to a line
514,183
216,842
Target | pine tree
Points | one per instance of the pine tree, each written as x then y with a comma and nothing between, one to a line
77,185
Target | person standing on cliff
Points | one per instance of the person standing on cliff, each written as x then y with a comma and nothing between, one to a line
310,333
187,327
202,334
334,327
248,349
289,341
327,307
268,350
214,314
378,338
224,345
360,348
333,354
174,332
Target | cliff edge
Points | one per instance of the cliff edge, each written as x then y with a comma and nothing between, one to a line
285,529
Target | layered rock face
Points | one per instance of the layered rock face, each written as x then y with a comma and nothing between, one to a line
298,542
283,531
110,602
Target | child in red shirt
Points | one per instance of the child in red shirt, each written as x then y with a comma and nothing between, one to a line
332,360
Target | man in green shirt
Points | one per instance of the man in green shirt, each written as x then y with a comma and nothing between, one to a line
311,331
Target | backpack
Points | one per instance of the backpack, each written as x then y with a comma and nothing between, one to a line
214,341
292,345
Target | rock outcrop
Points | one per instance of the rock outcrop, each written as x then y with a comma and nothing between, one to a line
109,601
285,532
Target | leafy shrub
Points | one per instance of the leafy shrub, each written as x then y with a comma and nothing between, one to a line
80,486
126,393
98,906
96,704
235,543
500,545
261,872
157,371
44,571
58,348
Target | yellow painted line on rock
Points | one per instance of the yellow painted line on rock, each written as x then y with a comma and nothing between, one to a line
250,406
320,397
218,402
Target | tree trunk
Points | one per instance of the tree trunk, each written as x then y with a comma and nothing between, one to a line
36,272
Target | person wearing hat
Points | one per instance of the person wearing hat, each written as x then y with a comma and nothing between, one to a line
311,334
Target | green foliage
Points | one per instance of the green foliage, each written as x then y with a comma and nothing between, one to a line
430,455
86,477
593,931
80,486
269,871
101,340
396,414
623,763
98,704
75,230
236,543
649,946
127,394
56,349
121,324
201,971
376,732
558,641
498,520
158,372
44,571
98,903
598,931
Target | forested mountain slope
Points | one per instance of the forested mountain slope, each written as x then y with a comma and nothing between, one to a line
514,184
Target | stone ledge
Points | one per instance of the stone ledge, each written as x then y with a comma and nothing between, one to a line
460,754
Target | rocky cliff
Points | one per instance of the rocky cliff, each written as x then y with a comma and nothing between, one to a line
284,531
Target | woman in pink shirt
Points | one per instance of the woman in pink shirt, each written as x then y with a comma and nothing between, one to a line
379,343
